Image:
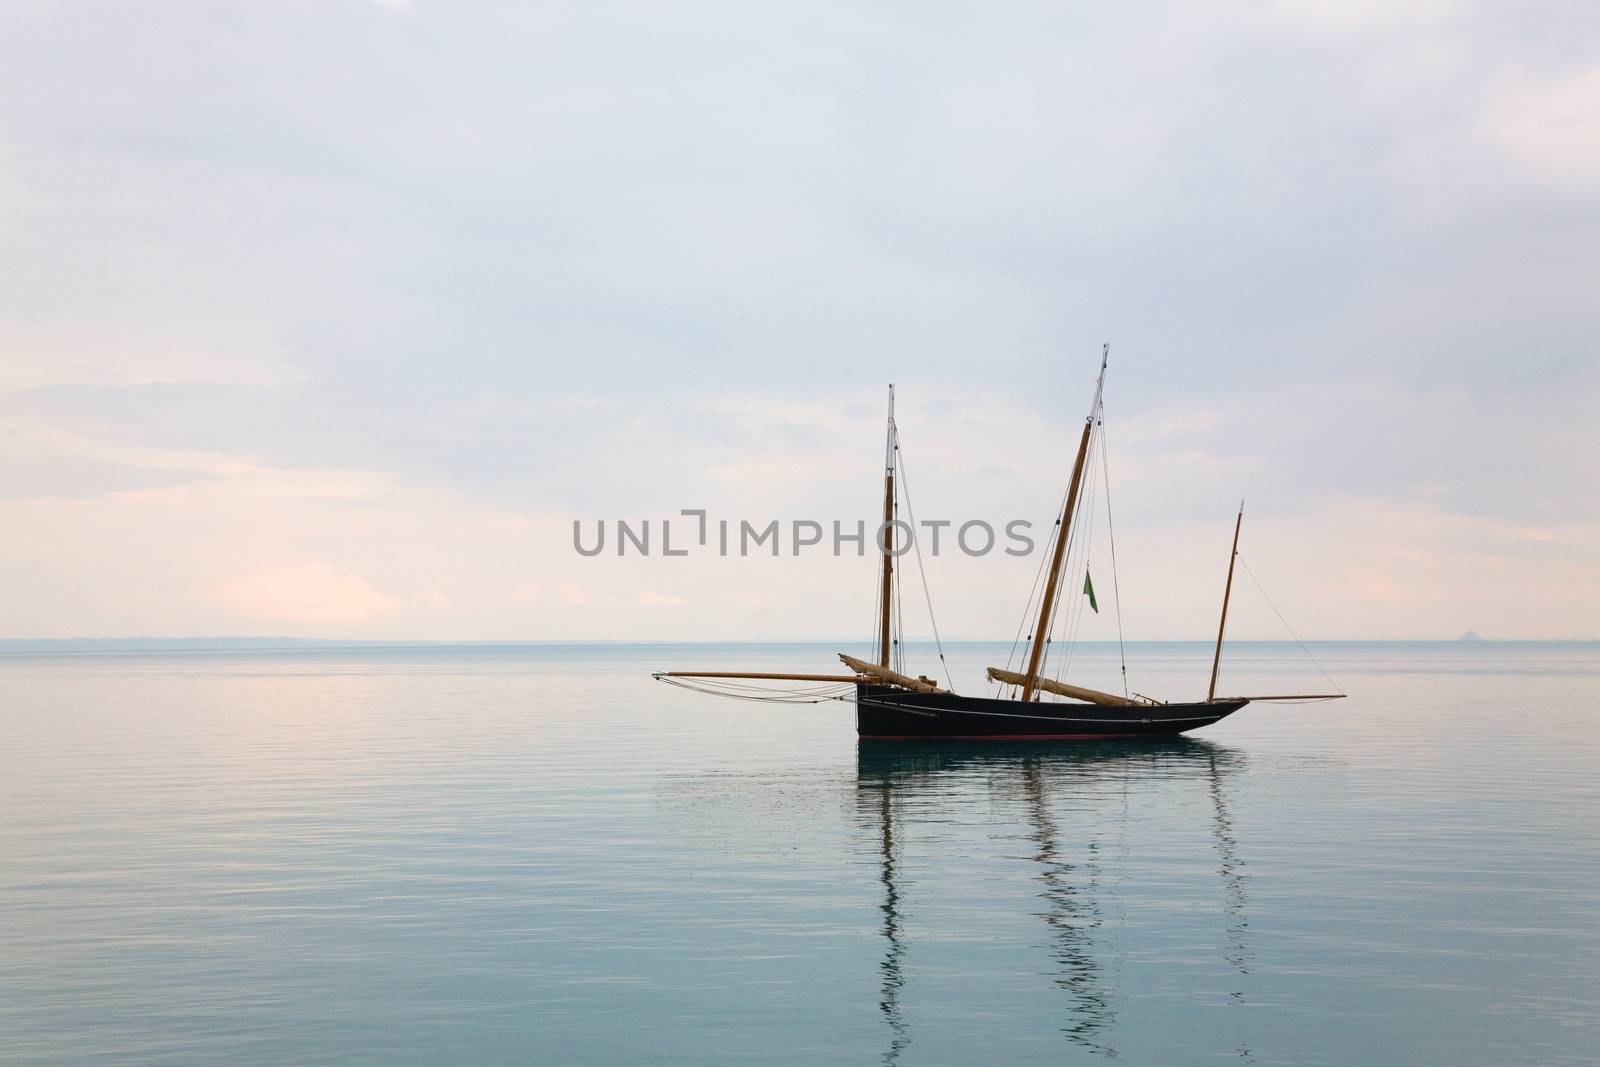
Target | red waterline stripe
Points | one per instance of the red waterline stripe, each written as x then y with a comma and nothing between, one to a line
996,737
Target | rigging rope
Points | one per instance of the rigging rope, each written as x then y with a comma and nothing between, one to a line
1111,534
1084,526
877,615
1079,608
1036,594
1286,626
1078,555
899,618
897,657
916,544
763,694
1027,609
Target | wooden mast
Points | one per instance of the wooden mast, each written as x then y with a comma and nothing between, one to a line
1227,591
886,540
1047,606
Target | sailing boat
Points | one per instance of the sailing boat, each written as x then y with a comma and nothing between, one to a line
894,706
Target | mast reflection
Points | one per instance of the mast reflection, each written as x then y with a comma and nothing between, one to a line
894,775
1072,893
1231,870
893,979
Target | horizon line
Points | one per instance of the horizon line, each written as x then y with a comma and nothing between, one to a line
269,642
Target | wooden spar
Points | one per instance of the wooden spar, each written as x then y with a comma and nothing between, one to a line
886,540
1227,591
884,674
1047,606
770,676
1296,696
1050,685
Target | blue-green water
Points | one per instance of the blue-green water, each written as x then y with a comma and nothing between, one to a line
539,855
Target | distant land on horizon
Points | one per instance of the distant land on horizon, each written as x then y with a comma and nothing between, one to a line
265,644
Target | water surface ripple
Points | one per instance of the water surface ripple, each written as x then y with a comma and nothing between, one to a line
515,854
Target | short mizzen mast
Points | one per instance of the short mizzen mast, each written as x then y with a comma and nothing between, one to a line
1227,591
1047,606
886,540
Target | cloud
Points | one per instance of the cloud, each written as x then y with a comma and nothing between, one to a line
123,355
1353,542
1344,252
308,594
1550,124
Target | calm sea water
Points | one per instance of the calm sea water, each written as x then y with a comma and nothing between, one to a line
539,855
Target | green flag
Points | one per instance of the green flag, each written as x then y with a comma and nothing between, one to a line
1088,588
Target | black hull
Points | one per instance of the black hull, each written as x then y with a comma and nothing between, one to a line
888,713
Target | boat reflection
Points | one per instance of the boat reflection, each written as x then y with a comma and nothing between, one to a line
893,978
896,777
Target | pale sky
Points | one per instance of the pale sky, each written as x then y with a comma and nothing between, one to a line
327,319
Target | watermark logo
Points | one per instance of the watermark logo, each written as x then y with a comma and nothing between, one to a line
775,537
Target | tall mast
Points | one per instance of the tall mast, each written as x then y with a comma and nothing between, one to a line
1047,606
1227,591
886,540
